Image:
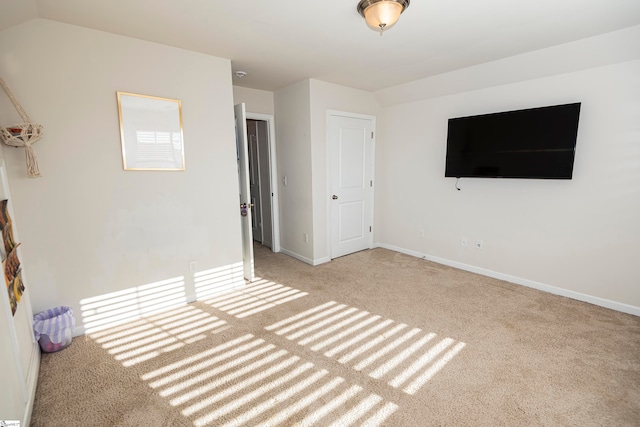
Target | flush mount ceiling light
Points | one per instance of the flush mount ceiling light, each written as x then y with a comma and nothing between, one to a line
381,14
240,74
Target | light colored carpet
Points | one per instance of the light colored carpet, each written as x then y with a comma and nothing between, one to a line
373,338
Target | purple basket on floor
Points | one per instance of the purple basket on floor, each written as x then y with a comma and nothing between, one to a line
53,328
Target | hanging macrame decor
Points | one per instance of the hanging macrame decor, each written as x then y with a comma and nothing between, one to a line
22,134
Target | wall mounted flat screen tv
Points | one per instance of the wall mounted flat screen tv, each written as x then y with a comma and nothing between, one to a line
533,143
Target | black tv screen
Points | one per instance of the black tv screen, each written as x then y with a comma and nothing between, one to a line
533,143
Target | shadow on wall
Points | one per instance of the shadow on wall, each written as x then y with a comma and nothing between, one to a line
217,280
116,308
124,306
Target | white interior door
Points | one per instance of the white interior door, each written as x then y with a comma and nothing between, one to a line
351,174
245,193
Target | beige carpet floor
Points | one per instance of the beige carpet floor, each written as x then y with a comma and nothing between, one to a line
373,338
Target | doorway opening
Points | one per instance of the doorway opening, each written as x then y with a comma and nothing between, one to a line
263,181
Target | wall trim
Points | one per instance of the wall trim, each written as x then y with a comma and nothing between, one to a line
304,259
296,256
602,302
322,260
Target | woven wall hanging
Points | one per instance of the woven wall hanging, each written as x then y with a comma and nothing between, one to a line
22,134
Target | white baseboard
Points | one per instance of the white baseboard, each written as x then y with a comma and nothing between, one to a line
602,302
304,259
321,261
296,256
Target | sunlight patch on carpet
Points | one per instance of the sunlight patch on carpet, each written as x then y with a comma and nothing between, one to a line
248,381
381,348
151,336
255,297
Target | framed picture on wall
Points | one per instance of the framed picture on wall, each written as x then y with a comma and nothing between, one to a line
151,132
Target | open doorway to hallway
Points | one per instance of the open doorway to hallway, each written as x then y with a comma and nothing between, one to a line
263,181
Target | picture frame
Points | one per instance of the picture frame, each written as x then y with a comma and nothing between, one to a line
150,132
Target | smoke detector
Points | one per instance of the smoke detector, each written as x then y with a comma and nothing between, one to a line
240,74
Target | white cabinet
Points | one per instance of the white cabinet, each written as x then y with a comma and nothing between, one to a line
19,352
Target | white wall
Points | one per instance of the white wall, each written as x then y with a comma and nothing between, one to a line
292,117
89,228
256,101
328,96
577,238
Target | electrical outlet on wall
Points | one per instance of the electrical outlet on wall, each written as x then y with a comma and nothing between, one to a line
421,233
479,245
464,241
305,238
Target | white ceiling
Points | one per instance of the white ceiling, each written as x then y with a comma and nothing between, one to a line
282,42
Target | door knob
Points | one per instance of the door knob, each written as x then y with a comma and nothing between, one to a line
334,197
244,208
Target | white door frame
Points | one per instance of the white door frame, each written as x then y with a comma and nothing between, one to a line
275,216
338,113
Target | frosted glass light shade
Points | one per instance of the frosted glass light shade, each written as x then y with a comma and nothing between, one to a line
381,15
